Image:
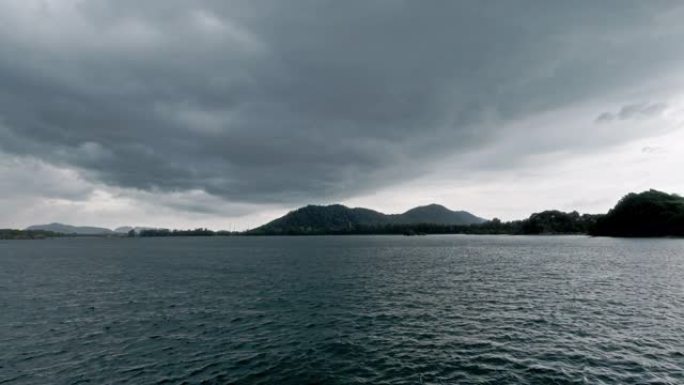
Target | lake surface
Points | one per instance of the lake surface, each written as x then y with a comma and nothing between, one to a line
342,310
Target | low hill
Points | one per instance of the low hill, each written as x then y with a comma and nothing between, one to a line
61,228
435,214
339,219
648,214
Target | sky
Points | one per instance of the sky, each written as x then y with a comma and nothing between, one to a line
227,114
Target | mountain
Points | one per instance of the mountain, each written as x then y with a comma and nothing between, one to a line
68,229
436,215
335,219
651,213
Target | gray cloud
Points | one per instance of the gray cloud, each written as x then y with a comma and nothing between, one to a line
633,111
22,177
287,102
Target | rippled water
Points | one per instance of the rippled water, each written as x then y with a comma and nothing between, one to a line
342,310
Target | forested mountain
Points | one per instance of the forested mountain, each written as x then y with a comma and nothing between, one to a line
341,219
435,214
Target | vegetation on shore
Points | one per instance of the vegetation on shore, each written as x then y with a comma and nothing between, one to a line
200,232
27,234
648,214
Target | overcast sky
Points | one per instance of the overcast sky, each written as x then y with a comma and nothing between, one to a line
226,114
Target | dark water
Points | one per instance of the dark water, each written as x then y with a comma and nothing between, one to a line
342,310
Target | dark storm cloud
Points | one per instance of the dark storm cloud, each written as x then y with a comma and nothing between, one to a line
295,101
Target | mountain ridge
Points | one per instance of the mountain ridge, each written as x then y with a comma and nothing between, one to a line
62,228
314,219
649,213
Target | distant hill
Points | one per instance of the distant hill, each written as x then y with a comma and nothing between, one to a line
651,213
337,218
61,228
436,215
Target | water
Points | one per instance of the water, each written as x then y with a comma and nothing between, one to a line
342,310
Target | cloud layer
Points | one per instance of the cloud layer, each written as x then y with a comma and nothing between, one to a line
285,103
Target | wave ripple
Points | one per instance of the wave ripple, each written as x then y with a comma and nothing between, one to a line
342,310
